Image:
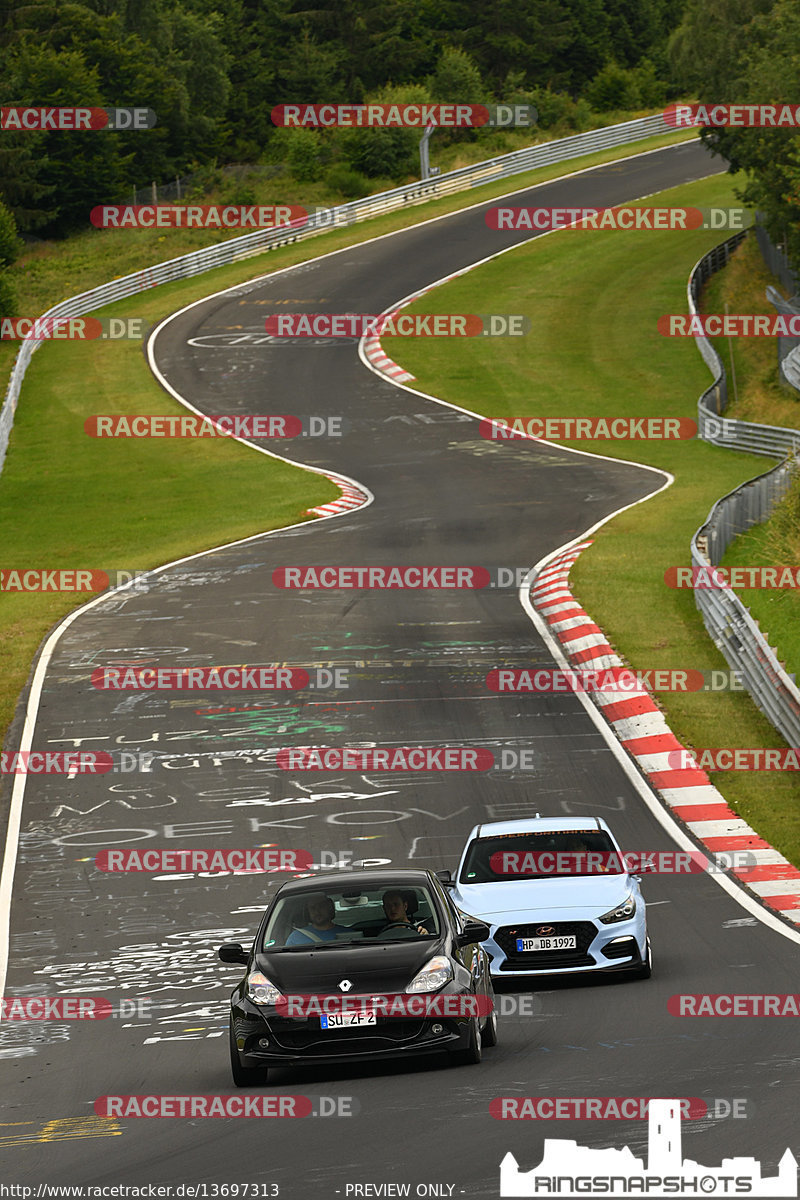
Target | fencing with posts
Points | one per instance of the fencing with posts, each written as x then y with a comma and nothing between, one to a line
727,620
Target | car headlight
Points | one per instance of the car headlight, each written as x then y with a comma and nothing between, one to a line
260,990
434,975
623,912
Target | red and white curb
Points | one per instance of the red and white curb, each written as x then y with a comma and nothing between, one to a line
643,731
374,351
352,497
380,360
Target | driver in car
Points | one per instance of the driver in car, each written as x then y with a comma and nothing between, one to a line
395,906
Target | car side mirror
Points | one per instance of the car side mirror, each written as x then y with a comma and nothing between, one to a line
232,952
445,878
474,931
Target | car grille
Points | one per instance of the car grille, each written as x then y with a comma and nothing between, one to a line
540,960
354,1040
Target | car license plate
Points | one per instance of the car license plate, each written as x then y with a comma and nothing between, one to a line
345,1020
564,942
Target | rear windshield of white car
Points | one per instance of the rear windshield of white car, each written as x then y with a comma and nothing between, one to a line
516,856
317,919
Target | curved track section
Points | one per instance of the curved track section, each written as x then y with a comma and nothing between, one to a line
417,663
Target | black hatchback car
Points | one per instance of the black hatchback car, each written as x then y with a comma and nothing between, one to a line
356,966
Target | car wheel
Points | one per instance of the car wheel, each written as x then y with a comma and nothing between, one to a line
489,1035
473,1052
645,970
244,1076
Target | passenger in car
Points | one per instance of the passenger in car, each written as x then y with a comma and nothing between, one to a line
321,927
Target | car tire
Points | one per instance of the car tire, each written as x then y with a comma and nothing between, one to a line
645,970
489,1035
473,1052
244,1076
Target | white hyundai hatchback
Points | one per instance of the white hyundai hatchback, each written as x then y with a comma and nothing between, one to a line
557,897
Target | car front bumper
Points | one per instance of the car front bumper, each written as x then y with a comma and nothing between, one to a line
264,1037
599,949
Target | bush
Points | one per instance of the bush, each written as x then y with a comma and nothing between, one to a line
10,241
613,88
380,152
349,183
554,108
8,296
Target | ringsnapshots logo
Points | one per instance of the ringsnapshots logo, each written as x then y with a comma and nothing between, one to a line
576,429
198,216
75,120
545,220
732,116
397,324
568,1169
404,116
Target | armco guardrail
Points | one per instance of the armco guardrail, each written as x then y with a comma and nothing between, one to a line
772,440
358,210
727,620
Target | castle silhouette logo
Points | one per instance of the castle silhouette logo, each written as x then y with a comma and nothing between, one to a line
568,1169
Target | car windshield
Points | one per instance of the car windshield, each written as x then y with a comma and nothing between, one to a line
323,918
519,856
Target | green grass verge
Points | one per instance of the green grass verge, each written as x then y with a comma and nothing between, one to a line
594,299
67,501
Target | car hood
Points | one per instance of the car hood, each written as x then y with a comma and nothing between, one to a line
384,967
595,893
